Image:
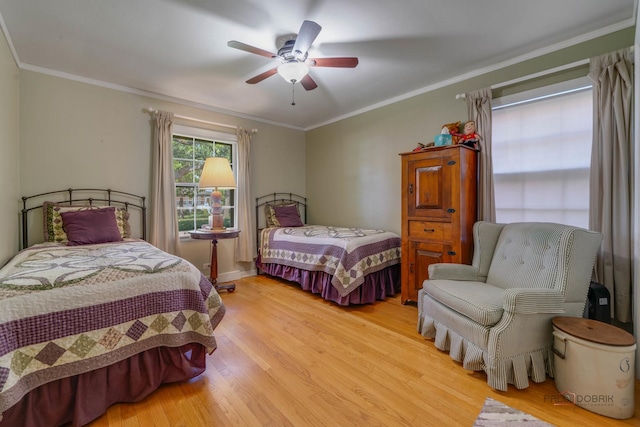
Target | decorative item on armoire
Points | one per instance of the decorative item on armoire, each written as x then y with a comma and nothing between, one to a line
445,138
454,131
469,138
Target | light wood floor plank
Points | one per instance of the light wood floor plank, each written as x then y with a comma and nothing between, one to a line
286,357
152,413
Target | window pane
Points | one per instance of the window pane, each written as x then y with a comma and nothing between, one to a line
228,215
228,209
186,211
204,198
227,197
182,147
183,170
202,149
541,159
202,208
198,165
224,150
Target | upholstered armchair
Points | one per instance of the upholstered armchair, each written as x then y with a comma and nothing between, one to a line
495,314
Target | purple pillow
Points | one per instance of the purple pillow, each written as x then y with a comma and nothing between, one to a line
91,226
288,216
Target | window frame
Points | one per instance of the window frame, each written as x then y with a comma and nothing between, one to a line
214,137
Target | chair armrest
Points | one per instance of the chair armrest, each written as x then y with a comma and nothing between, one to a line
533,301
449,271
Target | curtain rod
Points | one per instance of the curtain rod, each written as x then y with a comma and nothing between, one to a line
536,75
532,76
152,110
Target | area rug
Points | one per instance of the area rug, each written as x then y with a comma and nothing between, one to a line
496,413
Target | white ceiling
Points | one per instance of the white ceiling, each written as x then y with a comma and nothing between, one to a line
178,48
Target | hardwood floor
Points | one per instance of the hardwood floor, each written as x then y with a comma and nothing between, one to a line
286,357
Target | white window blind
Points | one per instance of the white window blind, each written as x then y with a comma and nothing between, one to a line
541,158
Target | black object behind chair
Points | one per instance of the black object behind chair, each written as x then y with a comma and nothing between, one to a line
598,306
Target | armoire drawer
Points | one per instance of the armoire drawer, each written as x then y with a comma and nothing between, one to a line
429,230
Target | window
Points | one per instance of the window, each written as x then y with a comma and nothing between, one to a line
191,147
541,146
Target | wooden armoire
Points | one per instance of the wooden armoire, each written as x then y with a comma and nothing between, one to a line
439,199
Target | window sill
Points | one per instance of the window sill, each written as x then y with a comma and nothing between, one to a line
185,238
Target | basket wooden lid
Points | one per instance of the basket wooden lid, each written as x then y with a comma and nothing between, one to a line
594,331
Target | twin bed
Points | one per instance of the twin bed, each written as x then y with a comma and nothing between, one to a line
94,316
343,265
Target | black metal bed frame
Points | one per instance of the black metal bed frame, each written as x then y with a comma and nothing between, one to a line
104,197
278,199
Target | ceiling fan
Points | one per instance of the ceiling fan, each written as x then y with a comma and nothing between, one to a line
295,65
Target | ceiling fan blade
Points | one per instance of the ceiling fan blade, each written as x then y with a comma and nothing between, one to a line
261,77
347,62
308,33
308,83
251,49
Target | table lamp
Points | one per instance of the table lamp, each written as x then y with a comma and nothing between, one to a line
216,175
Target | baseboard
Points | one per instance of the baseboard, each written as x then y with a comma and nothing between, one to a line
230,276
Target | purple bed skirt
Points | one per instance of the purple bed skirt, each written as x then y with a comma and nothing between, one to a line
81,399
377,286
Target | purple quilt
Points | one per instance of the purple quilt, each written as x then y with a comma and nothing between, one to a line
66,310
348,254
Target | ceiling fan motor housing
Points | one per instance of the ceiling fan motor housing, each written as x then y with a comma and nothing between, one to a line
287,54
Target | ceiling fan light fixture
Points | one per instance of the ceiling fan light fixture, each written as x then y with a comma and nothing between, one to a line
293,71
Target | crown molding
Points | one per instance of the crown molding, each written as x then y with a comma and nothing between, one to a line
5,31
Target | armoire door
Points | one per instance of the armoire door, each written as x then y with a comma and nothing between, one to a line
429,194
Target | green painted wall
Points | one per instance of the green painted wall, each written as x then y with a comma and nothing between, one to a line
10,149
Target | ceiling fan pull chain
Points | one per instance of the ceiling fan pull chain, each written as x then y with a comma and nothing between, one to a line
293,93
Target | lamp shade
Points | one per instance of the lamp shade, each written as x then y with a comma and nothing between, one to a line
293,71
217,173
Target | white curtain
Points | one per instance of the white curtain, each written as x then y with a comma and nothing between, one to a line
479,110
163,231
611,174
246,247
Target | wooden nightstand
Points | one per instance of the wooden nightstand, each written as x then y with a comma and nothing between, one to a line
214,236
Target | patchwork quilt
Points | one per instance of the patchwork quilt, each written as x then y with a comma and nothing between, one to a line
348,254
66,310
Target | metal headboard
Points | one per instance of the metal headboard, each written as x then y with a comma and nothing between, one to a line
277,199
90,196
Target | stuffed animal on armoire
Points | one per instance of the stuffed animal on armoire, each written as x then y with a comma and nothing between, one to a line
454,130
